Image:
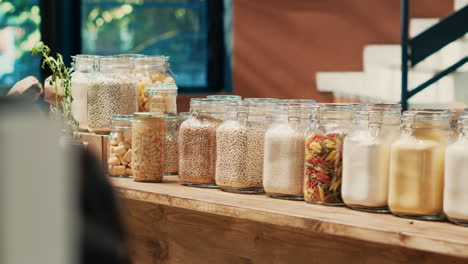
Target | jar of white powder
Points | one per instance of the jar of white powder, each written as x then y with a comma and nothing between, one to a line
112,91
416,180
456,176
366,156
283,163
83,66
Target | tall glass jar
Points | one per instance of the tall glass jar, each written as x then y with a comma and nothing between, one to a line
162,94
366,157
283,163
120,147
324,154
456,176
269,104
171,153
150,70
417,164
148,138
225,97
197,143
83,66
112,91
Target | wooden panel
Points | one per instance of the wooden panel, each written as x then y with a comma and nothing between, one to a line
165,234
441,238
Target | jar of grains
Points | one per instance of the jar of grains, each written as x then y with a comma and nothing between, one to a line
366,156
171,153
148,138
83,66
283,162
120,146
162,97
225,97
197,142
456,176
269,106
112,91
150,70
324,150
417,164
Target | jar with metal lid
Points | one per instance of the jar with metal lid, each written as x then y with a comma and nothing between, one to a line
112,91
366,156
225,97
148,138
171,153
283,160
150,70
162,97
324,153
83,66
456,175
119,155
197,142
417,164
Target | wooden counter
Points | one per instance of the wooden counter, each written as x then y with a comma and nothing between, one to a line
170,223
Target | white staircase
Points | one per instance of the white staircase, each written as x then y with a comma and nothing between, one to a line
381,79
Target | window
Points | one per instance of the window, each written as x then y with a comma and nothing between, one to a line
19,32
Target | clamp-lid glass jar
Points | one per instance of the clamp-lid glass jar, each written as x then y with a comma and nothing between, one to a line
112,91
197,142
283,163
366,156
225,97
119,160
162,97
324,153
417,164
148,138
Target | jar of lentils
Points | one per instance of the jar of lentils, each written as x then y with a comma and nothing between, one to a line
120,147
112,91
197,142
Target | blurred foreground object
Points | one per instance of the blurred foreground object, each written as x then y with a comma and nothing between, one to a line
29,86
50,94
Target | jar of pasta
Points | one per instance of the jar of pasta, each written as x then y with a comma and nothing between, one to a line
120,147
148,139
417,164
162,97
324,153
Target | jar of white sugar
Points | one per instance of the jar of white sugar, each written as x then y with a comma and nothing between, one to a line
283,162
112,91
197,142
416,178
324,153
456,176
366,156
83,66
119,160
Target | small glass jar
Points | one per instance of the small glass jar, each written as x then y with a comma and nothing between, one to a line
417,164
197,142
171,153
112,91
119,160
225,97
366,157
148,138
162,97
283,163
456,176
150,70
83,66
324,154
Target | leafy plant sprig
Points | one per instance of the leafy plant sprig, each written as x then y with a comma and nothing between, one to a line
60,73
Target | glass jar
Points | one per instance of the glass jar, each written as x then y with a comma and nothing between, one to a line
456,176
283,163
197,143
225,97
184,116
148,138
171,153
150,70
366,157
162,97
120,147
83,66
417,164
324,154
269,104
112,91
